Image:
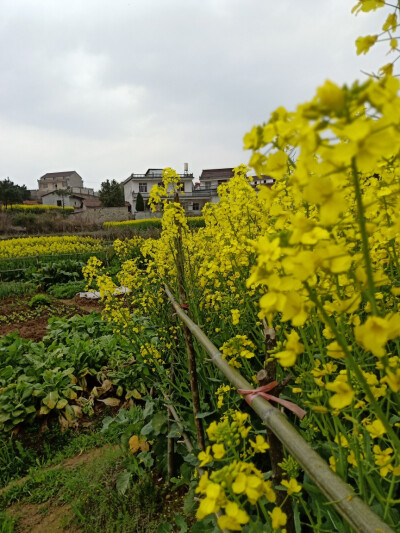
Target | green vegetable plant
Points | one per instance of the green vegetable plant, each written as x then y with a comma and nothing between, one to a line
39,300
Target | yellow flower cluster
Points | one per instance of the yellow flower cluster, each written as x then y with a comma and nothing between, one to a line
144,221
125,248
36,208
236,348
123,223
34,246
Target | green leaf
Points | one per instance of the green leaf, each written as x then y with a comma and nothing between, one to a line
204,415
164,527
123,480
51,399
181,523
158,421
69,413
148,410
207,525
61,403
174,432
147,429
191,459
44,410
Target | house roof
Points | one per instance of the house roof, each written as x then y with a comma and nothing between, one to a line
216,173
154,172
53,175
88,199
50,192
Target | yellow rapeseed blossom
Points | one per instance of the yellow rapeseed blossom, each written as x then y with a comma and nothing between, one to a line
344,394
278,517
364,43
376,429
291,485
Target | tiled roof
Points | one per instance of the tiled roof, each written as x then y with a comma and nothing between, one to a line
216,173
52,175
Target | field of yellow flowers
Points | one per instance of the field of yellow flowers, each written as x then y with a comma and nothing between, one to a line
36,208
312,263
36,246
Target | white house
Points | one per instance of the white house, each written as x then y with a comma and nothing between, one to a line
211,179
142,183
76,200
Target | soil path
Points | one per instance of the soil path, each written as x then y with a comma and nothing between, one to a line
67,464
50,517
43,518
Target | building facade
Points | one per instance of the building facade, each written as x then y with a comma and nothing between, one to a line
195,196
76,200
53,181
143,183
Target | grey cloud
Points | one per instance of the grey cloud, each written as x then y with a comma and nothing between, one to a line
114,87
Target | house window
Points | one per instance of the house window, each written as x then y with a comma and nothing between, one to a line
142,187
196,207
58,203
207,185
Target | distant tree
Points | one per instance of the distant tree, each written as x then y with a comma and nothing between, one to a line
139,202
11,193
111,194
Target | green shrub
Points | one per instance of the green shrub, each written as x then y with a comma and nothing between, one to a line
15,288
39,300
66,290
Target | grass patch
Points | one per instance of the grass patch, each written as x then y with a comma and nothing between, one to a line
16,288
90,490
35,450
67,290
6,523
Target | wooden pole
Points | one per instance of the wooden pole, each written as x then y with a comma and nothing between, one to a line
276,451
189,339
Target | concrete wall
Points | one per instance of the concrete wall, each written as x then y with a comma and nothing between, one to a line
140,215
53,198
99,215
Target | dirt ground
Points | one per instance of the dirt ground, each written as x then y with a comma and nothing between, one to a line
32,324
43,518
50,517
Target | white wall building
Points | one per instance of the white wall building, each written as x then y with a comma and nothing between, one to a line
143,183
77,200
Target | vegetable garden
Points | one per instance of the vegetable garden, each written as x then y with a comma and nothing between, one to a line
284,304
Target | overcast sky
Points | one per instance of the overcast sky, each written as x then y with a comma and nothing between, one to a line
111,87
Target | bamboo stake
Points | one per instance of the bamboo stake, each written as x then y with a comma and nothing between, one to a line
342,497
